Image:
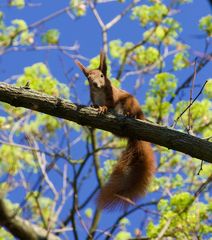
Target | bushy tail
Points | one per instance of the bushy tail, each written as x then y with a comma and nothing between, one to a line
130,177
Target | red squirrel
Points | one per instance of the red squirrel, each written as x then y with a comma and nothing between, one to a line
136,166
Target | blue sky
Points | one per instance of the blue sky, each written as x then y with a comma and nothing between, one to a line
86,32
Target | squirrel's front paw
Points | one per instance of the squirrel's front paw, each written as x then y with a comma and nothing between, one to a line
130,115
102,109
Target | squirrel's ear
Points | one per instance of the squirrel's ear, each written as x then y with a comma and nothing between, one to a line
103,64
82,67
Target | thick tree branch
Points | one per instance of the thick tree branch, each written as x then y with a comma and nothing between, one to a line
21,228
120,125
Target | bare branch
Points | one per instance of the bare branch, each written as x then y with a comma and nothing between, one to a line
96,14
191,96
201,65
121,15
190,104
20,228
50,16
75,47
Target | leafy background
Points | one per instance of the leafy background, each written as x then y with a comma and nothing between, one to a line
51,169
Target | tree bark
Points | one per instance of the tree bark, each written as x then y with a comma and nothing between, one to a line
117,124
20,228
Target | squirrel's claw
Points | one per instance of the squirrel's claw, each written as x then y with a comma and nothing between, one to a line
102,109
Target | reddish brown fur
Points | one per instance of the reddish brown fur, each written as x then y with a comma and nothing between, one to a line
130,177
135,168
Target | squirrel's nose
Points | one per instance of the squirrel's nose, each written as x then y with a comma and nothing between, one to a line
95,84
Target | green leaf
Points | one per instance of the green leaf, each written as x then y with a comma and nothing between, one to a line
51,37
142,13
4,40
208,88
181,60
124,222
118,49
40,79
20,24
200,116
26,38
152,230
17,3
147,56
42,123
163,205
16,34
161,86
206,170
107,169
205,24
78,7
12,159
160,32
2,121
180,201
123,235
1,16
5,235
89,213
167,33
45,206
147,14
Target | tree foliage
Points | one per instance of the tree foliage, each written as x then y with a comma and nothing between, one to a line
51,169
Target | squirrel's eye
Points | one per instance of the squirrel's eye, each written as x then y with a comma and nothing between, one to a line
102,75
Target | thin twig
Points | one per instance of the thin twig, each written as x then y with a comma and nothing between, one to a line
96,14
121,15
50,16
129,50
176,120
75,47
125,214
203,186
97,214
164,229
95,158
83,223
200,168
191,95
201,65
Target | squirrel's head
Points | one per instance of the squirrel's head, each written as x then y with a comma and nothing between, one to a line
96,77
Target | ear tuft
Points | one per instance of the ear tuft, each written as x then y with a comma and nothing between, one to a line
82,67
103,64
